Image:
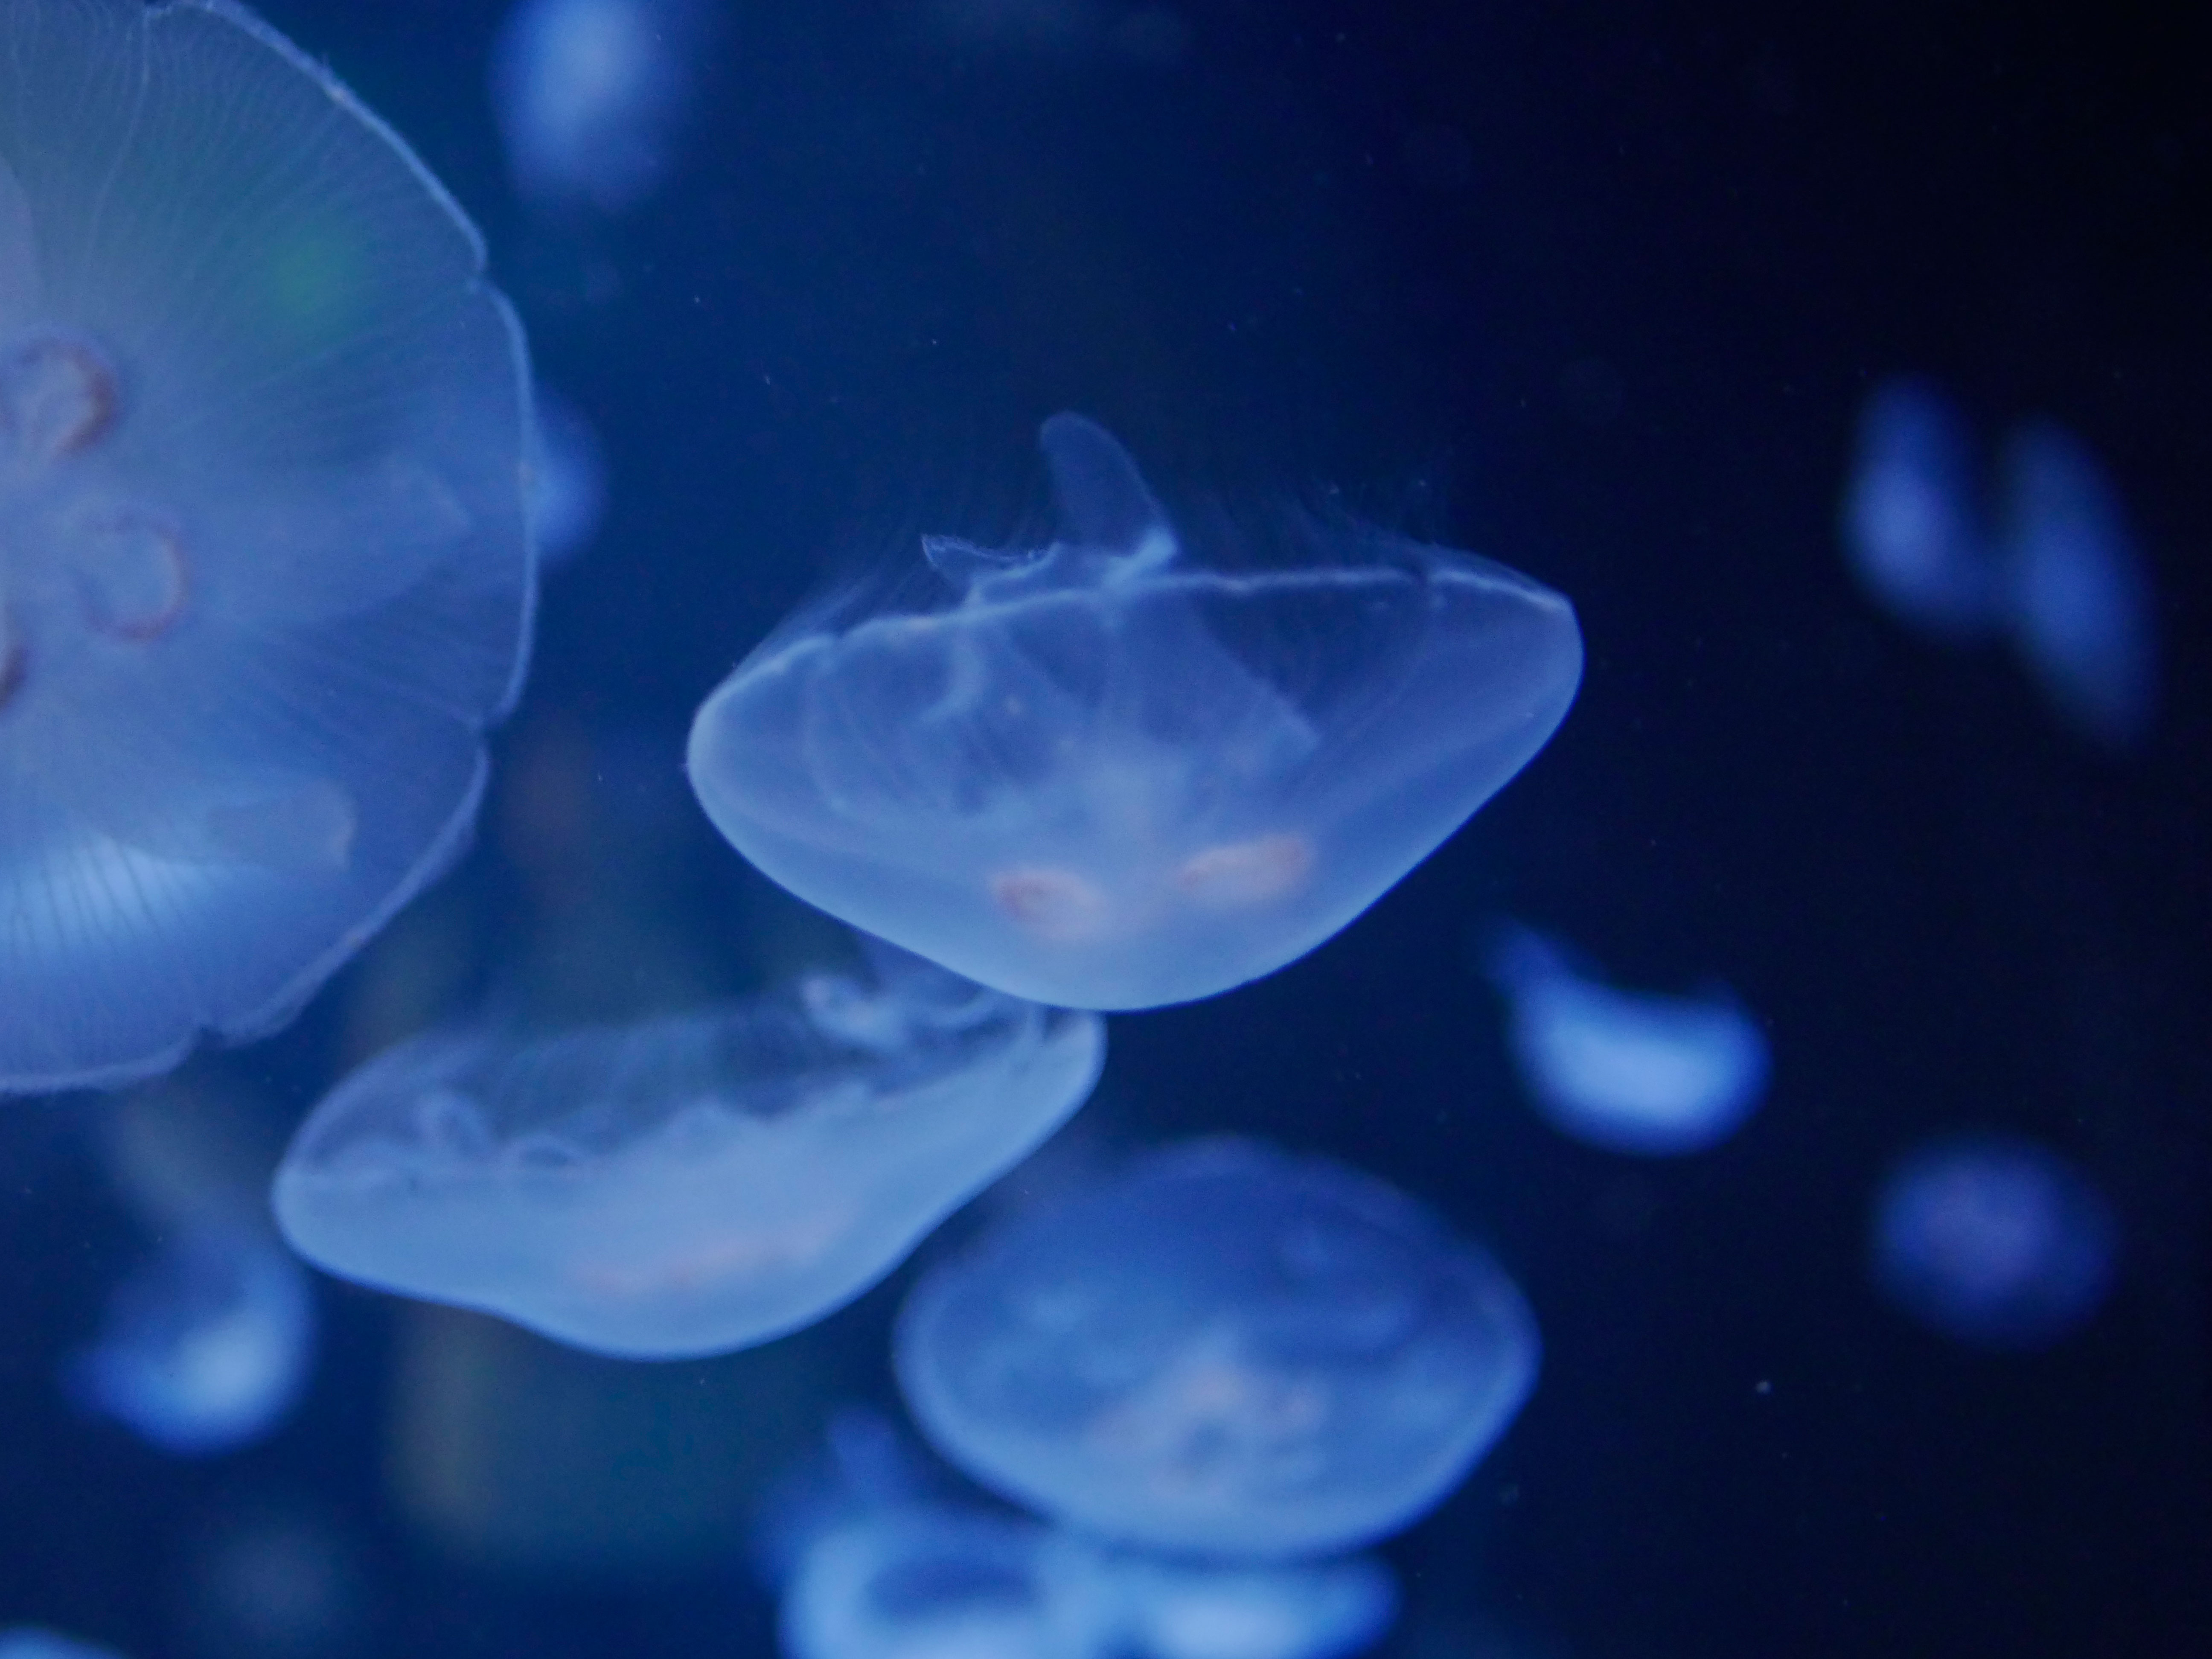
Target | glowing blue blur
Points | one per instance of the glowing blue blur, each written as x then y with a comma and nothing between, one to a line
206,1348
1993,1241
1627,1070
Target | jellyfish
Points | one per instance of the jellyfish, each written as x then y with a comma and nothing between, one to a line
32,1642
1102,776
1994,1241
592,94
2081,597
687,1185
1175,1609
1627,1070
875,1561
1913,522
206,1348
933,1581
1228,1352
264,576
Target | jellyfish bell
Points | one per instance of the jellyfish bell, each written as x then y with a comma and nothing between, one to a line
1629,1071
1226,1351
264,572
688,1185
1102,775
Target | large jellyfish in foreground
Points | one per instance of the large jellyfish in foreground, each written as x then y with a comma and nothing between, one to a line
689,1185
1993,1241
206,1348
1103,776
263,573
1628,1070
1228,1350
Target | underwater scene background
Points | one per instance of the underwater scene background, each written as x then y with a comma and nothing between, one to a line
1604,292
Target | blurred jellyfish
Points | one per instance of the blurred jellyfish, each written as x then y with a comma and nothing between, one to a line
1304,1610
687,1185
1993,1241
1628,1070
1228,1351
592,94
873,1560
30,1642
206,1348
934,1581
568,495
1101,777
264,574
2080,595
1912,520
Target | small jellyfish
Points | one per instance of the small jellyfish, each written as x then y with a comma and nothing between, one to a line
592,94
567,481
2080,595
205,1349
31,1642
1102,776
264,576
688,1185
1229,1352
1913,522
1627,1070
930,1581
1993,1241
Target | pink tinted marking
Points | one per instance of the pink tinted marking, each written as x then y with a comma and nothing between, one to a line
1054,905
1243,874
132,573
58,395
1201,1425
742,1256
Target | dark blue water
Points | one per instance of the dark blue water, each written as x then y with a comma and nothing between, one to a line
1596,289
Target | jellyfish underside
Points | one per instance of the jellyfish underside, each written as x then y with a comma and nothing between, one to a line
688,1185
1105,777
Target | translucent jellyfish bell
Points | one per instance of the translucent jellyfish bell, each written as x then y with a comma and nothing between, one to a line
1228,1350
1993,1241
265,578
1104,777
683,1186
207,1348
1629,1071
1299,1610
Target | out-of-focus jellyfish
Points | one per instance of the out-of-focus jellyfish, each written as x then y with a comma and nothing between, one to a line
592,96
1228,1351
1993,1241
567,481
1301,1610
31,1642
264,576
1103,776
1628,1070
931,1582
206,1348
688,1185
1912,520
2080,595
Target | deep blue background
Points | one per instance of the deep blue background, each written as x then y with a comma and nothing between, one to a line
1593,288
